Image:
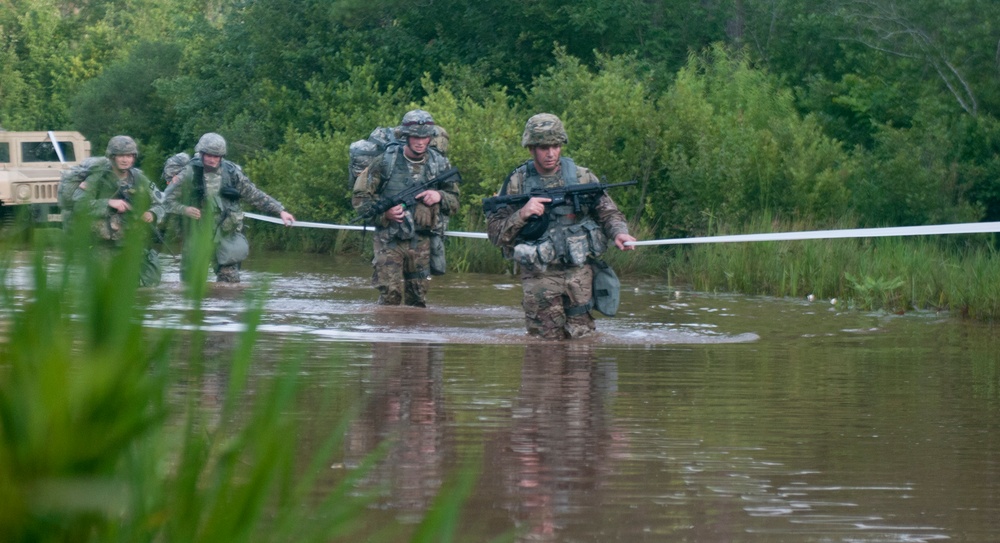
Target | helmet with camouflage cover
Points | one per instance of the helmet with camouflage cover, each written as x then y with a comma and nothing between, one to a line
174,165
544,129
211,144
417,123
121,145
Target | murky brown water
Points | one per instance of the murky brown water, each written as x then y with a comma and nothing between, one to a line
692,417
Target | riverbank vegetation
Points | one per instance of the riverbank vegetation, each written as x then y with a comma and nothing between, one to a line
112,430
733,117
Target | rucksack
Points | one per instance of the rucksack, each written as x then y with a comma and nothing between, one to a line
363,152
70,179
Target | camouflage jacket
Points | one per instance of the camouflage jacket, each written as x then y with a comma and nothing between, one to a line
504,225
104,185
224,189
393,169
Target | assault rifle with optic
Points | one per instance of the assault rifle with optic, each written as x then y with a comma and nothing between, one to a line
574,195
407,196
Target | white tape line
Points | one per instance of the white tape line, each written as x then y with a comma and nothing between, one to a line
961,228
896,231
304,224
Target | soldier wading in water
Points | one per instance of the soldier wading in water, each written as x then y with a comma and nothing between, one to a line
211,181
404,236
557,264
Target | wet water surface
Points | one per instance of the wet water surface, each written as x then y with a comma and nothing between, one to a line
690,417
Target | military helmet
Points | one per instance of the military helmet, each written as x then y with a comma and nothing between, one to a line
121,145
544,129
211,144
174,165
417,123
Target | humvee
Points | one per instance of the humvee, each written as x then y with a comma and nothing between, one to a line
30,166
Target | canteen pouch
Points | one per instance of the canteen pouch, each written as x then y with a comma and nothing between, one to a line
232,249
438,264
606,288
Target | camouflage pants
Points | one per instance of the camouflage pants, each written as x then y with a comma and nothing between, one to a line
223,274
228,274
401,272
549,296
150,269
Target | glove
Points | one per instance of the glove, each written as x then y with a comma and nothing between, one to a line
425,217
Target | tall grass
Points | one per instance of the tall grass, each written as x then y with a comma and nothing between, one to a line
95,445
957,273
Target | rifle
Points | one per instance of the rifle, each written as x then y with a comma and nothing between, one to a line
126,193
406,197
575,195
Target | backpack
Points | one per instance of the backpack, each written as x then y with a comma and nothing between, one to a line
70,179
363,152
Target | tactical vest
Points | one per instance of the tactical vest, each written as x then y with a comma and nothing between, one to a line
396,172
228,215
396,177
571,237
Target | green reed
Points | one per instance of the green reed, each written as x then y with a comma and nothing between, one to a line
96,446
960,273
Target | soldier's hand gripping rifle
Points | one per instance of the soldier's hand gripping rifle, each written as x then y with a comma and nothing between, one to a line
407,196
127,193
574,195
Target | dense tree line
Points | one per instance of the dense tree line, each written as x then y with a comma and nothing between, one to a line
881,111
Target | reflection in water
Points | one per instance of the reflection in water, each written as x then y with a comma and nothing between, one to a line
405,409
562,443
701,417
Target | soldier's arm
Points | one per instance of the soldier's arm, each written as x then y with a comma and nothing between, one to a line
172,197
450,194
86,196
504,224
256,197
605,212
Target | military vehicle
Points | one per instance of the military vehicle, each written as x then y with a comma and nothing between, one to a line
30,166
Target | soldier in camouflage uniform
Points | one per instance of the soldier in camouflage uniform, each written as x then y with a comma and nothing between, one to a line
174,166
403,237
112,197
217,186
555,274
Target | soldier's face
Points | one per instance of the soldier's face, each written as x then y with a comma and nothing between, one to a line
211,161
124,162
418,146
546,157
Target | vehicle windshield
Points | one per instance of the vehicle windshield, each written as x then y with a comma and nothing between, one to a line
44,151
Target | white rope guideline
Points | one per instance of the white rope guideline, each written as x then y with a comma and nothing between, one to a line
304,224
895,231
961,228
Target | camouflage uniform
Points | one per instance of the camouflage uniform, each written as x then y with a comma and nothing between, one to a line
174,165
218,193
107,224
557,285
403,250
